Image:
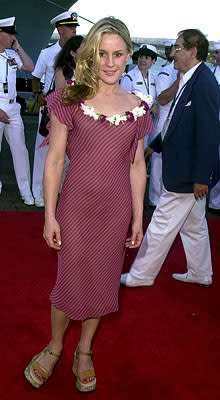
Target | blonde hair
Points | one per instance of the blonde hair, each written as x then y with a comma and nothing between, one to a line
86,72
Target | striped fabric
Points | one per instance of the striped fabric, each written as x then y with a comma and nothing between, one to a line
94,210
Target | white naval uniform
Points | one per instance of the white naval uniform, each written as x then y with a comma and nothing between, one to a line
14,131
214,198
134,82
43,67
165,78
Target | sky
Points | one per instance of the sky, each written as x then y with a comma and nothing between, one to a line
155,18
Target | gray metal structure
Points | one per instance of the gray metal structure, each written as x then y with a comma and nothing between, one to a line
33,21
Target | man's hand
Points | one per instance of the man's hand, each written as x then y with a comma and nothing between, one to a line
15,45
154,109
200,190
4,117
147,154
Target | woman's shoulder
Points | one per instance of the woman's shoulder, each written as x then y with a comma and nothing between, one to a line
137,100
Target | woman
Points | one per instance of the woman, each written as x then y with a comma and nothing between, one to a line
141,79
103,190
66,61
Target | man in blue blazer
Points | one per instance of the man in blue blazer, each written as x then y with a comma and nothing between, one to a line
189,145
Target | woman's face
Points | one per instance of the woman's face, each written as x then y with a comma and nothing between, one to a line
113,55
144,63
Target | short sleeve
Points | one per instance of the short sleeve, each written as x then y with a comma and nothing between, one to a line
40,66
63,113
144,126
126,83
13,54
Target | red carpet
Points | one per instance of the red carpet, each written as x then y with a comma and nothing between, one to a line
163,344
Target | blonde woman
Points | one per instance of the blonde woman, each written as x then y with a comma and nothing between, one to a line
102,126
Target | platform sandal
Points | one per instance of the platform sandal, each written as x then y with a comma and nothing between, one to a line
90,373
35,373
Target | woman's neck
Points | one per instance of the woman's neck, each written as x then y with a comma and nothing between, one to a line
108,90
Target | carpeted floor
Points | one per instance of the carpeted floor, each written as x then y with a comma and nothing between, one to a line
163,344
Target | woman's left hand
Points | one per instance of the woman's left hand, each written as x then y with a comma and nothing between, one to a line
136,237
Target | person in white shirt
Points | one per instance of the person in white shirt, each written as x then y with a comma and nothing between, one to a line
167,82
66,24
214,198
141,80
13,57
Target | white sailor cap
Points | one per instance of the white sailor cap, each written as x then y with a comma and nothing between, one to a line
8,25
147,50
66,18
217,45
169,43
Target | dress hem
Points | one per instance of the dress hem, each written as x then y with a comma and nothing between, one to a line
85,316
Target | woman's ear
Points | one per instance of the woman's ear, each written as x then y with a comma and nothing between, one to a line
128,56
73,54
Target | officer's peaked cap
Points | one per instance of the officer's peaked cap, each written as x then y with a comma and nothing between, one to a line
148,50
8,25
66,18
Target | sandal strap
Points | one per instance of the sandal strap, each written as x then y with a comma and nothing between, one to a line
41,371
84,354
90,373
52,353
89,354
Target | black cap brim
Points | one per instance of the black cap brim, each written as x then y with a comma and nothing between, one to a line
8,29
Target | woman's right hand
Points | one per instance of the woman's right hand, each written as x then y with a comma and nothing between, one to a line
52,234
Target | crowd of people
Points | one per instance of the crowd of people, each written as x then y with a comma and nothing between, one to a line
105,124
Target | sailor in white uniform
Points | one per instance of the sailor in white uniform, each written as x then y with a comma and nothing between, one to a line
140,79
167,81
214,198
13,57
66,24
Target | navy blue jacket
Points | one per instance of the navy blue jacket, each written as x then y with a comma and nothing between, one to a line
190,147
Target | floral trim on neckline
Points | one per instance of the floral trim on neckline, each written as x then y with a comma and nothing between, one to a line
115,119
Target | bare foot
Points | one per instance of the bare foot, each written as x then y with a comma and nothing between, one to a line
84,364
48,360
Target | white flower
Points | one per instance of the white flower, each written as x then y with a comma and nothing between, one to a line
116,118
147,98
89,111
138,112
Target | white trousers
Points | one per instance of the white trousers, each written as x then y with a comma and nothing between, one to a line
14,134
175,213
39,163
155,184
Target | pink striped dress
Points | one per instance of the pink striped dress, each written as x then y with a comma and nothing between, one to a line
94,209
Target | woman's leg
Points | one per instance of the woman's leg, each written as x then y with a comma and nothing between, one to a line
59,324
89,327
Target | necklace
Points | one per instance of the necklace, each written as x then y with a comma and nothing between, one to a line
115,119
